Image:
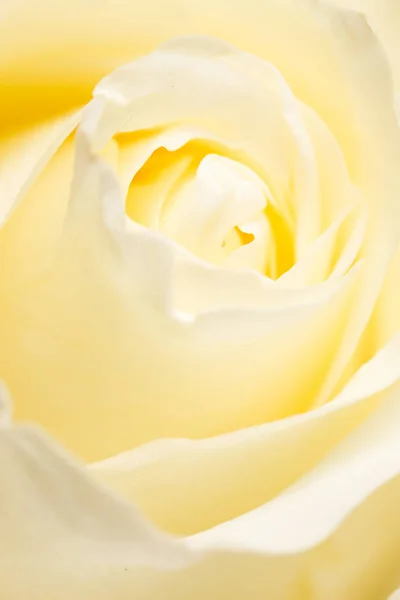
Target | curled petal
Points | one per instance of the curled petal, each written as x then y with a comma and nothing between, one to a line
384,18
190,485
98,546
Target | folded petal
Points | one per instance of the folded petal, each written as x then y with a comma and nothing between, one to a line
89,287
63,536
187,486
25,153
92,328
290,34
384,18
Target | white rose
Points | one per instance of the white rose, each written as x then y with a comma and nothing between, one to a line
199,299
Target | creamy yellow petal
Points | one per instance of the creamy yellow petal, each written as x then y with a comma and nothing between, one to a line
192,80
331,36
385,321
223,195
336,191
105,310
65,537
366,543
384,18
102,311
25,153
136,148
332,253
128,87
291,34
187,485
370,455
201,287
259,252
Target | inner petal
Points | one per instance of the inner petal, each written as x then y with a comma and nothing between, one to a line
223,195
204,196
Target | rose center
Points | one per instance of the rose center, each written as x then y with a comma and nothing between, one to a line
213,205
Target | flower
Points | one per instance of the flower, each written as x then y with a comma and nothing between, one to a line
198,300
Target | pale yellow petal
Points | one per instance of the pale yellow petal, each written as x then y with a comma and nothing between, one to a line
223,195
345,49
357,557
102,342
368,458
336,191
186,485
91,330
291,34
385,320
25,153
333,253
128,98
63,537
384,18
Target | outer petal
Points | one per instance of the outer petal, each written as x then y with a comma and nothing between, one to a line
187,485
64,537
88,40
25,154
384,18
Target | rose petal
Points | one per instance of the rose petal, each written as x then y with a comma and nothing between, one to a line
329,254
385,321
134,84
64,537
384,18
186,485
287,33
371,455
222,196
103,313
365,129
24,154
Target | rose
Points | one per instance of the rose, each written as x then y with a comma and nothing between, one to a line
269,405
47,309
